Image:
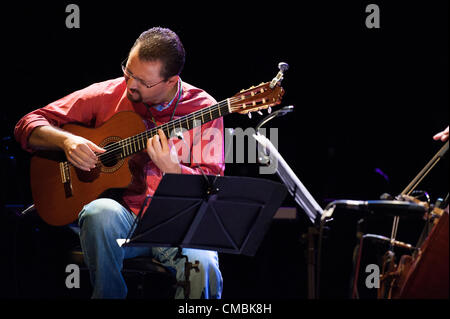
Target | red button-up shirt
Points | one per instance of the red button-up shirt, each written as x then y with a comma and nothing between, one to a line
94,105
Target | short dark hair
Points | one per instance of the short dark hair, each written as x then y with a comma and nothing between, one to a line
162,44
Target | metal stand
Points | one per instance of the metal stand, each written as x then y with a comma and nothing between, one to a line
302,197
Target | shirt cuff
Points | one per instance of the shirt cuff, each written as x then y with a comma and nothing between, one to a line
26,133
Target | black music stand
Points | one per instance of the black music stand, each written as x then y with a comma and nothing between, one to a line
228,214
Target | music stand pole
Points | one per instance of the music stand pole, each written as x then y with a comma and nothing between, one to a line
311,260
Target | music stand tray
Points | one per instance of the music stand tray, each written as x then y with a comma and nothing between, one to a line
229,214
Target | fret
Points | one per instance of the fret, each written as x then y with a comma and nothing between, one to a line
150,134
144,141
122,146
166,131
136,144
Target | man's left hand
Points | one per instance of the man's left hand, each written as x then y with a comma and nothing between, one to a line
162,154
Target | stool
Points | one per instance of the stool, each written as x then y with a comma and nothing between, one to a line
138,272
143,269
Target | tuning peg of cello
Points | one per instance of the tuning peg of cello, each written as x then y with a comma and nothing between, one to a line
269,110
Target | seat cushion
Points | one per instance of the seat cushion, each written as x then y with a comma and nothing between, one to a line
137,264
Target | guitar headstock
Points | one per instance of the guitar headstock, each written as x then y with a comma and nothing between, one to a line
256,98
260,97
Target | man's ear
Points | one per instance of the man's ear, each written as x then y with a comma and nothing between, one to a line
173,80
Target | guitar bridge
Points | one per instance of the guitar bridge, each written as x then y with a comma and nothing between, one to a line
65,178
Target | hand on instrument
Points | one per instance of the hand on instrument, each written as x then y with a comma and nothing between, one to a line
81,152
162,154
443,136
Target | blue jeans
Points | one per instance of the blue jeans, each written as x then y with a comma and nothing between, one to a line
103,221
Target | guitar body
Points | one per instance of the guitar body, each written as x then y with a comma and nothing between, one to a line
60,190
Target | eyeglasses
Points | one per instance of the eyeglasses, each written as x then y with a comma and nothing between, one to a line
128,74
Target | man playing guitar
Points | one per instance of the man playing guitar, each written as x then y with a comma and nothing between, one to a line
151,87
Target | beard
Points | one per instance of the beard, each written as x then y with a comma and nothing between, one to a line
134,96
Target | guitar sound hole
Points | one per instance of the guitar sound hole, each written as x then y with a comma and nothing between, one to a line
111,157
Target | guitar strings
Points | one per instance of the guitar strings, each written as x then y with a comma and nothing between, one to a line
131,141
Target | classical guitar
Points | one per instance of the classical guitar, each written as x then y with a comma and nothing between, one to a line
60,189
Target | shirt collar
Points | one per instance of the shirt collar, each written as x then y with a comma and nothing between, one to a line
165,105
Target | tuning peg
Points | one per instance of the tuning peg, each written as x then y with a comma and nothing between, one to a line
249,115
269,110
260,113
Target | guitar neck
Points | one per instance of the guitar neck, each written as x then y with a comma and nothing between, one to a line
137,143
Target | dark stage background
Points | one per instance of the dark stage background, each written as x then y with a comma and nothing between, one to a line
366,100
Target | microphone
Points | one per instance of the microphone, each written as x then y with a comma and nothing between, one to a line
386,196
441,203
383,239
283,111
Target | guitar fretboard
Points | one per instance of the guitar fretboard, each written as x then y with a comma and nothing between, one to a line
137,143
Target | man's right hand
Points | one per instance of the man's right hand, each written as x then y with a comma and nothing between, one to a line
81,152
